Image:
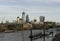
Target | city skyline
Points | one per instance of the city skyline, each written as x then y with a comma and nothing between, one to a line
10,9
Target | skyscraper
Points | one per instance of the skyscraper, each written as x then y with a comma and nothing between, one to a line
23,17
27,18
42,18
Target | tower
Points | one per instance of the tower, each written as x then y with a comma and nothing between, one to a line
23,17
42,18
27,18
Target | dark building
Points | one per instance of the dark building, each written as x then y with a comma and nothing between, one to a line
27,18
42,18
23,17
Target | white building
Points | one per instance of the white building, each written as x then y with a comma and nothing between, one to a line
18,20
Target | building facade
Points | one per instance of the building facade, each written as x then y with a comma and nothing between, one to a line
27,18
23,17
42,18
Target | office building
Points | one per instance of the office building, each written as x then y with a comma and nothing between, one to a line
27,18
23,17
42,18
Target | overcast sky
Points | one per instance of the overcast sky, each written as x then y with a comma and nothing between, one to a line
10,9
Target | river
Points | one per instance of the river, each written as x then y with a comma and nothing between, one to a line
23,36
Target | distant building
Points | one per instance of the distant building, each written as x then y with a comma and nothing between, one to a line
58,23
27,26
42,18
23,17
18,20
7,21
14,21
27,18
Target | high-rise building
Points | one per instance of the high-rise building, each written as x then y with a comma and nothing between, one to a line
27,18
23,17
42,18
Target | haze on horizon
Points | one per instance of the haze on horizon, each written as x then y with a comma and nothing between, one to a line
10,9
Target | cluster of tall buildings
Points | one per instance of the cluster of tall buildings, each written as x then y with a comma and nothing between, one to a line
24,19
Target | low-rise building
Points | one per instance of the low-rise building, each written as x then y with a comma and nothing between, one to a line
27,26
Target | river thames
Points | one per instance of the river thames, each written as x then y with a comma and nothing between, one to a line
24,35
